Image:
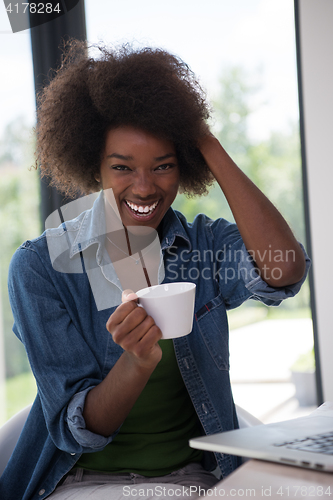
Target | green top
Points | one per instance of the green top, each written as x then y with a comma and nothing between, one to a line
153,440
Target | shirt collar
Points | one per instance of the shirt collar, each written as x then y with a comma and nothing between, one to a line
91,227
172,229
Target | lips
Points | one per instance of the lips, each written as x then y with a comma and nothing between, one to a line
142,210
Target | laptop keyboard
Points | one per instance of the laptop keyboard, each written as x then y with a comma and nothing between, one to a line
319,443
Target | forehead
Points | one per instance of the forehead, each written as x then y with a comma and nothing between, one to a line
129,140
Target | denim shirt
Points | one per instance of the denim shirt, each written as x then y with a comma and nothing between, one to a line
71,351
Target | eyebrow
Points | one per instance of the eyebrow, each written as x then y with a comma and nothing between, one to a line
129,157
165,157
120,157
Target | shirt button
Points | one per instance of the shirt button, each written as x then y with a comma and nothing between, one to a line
186,364
72,453
41,492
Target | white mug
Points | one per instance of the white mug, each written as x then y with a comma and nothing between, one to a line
171,305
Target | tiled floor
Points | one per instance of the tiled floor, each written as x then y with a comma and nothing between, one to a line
270,402
260,360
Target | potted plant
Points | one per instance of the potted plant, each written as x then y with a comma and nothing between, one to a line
303,376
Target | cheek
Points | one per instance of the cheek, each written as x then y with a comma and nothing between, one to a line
102,176
107,182
173,191
175,185
107,179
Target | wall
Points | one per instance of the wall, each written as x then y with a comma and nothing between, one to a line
316,53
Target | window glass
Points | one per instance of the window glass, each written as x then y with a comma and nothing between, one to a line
243,53
19,203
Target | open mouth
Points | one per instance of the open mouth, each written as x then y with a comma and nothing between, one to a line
142,210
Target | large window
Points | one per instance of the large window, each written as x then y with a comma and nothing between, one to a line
244,55
19,202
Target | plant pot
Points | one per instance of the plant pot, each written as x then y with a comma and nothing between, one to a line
305,387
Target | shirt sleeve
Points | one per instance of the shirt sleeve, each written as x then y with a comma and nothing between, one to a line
237,274
64,366
77,424
260,290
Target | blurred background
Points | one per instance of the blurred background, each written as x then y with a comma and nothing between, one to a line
249,72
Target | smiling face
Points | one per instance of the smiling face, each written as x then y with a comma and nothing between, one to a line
143,172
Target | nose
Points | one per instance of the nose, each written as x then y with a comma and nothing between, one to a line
143,185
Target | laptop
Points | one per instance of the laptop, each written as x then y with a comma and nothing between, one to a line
303,442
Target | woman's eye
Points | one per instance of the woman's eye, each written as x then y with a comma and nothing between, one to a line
164,167
120,167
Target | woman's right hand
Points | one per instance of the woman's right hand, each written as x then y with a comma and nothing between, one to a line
108,403
136,332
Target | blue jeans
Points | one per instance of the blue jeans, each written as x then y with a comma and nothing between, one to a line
190,481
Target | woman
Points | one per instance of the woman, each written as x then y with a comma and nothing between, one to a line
116,407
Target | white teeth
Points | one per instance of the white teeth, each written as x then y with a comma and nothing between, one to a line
141,209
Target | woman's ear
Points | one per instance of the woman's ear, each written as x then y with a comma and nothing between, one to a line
97,178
